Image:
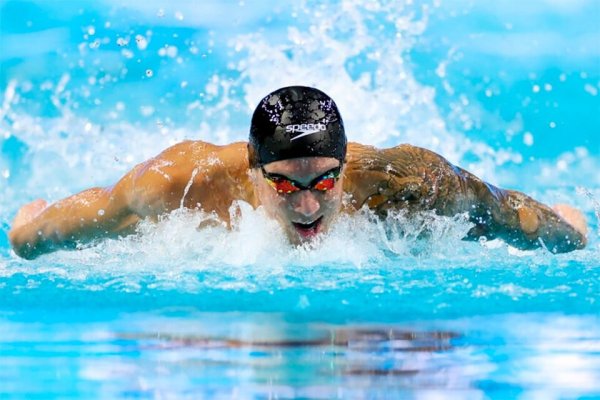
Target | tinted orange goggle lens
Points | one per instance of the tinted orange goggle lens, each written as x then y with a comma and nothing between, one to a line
284,185
325,184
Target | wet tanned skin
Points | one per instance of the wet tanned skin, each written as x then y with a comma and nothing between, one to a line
416,179
196,175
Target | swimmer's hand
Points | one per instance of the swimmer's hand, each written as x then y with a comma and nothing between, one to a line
27,213
572,216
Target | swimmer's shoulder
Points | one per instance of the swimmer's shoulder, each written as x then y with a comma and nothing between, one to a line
189,150
371,171
364,150
184,157
399,173
404,159
196,165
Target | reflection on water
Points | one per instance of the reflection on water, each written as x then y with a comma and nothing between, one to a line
237,355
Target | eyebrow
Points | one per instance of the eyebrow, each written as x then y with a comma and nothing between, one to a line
314,180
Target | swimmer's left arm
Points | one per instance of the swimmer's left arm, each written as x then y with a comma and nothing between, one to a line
506,214
415,179
522,221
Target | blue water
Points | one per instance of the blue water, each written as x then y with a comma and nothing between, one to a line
89,89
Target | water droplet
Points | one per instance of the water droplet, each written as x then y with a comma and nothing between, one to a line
590,89
172,51
149,73
141,41
146,111
581,152
100,212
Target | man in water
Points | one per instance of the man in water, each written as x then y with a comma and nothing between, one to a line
298,166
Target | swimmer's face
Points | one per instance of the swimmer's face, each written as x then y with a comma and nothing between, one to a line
305,213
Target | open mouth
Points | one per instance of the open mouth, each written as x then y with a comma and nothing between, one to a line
308,230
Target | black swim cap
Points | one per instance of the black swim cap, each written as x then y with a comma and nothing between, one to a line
296,121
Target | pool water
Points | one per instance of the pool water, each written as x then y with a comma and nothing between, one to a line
370,311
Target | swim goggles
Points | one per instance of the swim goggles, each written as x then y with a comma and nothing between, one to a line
285,185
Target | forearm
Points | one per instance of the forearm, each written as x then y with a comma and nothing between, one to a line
64,224
519,220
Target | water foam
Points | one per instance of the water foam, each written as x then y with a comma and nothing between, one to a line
255,255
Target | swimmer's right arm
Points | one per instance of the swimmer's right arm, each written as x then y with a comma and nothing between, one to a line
152,188
92,214
39,228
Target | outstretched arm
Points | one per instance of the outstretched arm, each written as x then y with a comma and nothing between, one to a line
188,174
412,178
92,214
97,212
520,220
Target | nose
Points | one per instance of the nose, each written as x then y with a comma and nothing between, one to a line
306,203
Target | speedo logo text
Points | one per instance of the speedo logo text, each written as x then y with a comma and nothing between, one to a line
304,129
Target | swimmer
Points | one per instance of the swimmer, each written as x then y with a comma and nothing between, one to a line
297,166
